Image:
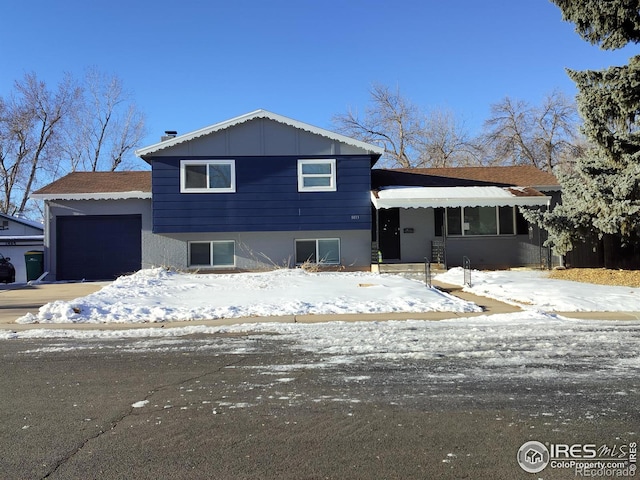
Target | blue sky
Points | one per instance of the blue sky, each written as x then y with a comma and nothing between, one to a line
191,64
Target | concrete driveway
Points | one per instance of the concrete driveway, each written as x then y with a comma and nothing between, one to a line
19,299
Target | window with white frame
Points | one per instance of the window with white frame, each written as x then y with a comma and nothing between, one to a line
317,175
218,254
467,221
320,250
207,176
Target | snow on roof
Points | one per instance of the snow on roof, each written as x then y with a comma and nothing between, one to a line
143,152
423,197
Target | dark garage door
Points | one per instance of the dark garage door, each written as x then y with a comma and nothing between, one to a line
99,247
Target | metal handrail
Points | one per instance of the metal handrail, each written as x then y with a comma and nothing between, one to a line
427,272
466,265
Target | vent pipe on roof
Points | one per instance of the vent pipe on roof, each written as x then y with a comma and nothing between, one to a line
168,135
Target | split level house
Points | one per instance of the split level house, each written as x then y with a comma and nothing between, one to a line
265,191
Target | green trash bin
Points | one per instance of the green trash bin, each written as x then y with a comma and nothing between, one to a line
34,261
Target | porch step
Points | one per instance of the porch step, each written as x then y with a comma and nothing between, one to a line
408,268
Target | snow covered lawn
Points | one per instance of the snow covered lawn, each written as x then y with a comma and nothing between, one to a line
532,290
157,295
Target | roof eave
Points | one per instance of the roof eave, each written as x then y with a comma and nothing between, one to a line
521,201
92,196
21,238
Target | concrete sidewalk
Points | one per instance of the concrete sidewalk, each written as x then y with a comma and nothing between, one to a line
18,300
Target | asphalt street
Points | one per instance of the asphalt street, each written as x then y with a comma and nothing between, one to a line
247,406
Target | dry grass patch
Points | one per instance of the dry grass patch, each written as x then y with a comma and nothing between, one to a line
600,276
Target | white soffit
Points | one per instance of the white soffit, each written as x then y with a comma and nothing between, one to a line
425,197
21,238
91,196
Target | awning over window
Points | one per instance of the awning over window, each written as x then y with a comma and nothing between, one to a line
424,197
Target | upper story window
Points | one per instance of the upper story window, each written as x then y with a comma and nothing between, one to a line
317,175
207,176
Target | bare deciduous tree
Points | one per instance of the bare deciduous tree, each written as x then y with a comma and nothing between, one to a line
390,121
45,133
410,137
445,142
106,126
29,123
518,133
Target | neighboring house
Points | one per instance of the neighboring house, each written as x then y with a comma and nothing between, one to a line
258,191
17,237
445,214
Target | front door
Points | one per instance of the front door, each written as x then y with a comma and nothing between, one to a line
389,231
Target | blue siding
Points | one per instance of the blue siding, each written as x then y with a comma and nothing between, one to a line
266,198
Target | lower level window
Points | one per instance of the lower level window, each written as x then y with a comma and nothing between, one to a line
212,254
320,250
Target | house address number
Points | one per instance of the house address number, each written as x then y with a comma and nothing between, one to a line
355,217
10,242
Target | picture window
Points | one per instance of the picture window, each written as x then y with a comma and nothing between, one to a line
474,221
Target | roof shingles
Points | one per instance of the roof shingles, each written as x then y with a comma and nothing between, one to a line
99,182
520,175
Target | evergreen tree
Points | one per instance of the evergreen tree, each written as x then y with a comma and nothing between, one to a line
601,193
609,23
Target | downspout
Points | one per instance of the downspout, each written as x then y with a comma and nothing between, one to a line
444,237
379,252
46,247
540,247
376,256
560,257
